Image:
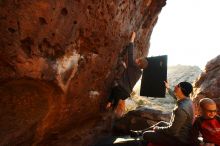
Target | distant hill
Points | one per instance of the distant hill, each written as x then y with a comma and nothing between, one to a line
179,73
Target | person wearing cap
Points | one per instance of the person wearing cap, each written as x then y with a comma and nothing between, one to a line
177,131
207,123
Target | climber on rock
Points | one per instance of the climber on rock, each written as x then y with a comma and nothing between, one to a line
128,74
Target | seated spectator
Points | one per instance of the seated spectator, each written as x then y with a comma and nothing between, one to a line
177,131
207,124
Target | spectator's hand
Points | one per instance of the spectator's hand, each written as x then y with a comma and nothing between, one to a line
167,85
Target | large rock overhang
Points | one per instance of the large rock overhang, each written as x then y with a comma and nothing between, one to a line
57,61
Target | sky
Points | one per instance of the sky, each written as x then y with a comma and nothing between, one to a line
188,31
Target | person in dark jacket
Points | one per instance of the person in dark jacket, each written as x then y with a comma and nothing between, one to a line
177,131
127,77
208,124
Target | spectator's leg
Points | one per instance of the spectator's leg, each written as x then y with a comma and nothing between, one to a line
151,136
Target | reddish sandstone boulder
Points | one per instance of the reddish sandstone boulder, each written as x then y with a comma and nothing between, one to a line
57,62
139,119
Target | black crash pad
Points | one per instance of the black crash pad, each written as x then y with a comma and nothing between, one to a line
152,83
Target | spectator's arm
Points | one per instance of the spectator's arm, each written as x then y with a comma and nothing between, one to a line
171,93
169,90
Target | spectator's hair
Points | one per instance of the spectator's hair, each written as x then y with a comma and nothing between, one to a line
205,101
186,88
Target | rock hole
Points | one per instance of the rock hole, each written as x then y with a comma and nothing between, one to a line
95,51
11,30
89,7
42,21
42,75
3,17
26,45
64,12
97,40
81,32
39,46
53,34
101,13
46,42
75,22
